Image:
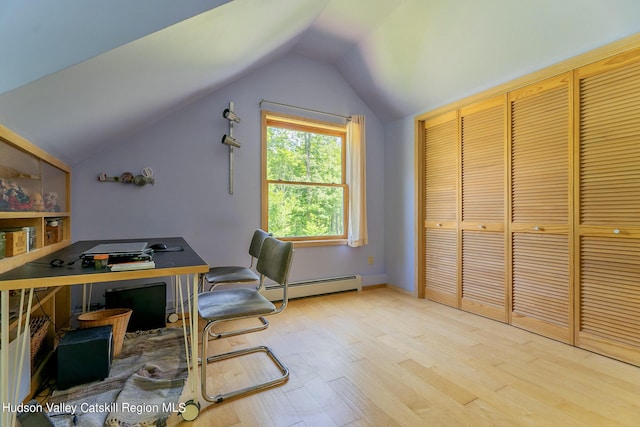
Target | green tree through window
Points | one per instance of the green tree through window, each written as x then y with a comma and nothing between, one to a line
305,181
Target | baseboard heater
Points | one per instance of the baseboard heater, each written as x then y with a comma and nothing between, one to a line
309,288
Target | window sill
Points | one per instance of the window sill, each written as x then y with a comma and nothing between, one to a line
308,243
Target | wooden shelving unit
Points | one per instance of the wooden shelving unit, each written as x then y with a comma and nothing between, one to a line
35,192
30,172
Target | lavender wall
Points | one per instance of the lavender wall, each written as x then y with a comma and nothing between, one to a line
399,190
190,197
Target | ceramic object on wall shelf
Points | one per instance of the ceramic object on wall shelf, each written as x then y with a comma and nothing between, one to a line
145,177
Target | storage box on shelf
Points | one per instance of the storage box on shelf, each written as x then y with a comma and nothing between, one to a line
54,231
15,242
35,202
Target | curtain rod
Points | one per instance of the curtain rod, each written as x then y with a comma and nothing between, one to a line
302,108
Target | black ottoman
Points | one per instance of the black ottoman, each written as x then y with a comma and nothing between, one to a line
84,355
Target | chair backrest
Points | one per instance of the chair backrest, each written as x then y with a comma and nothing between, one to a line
256,243
275,258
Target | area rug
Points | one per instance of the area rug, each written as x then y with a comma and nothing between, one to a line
143,387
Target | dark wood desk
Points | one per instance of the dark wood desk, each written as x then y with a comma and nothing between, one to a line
39,273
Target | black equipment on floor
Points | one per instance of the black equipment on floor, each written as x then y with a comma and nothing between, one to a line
84,355
148,302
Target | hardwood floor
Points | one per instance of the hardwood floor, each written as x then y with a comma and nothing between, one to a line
384,358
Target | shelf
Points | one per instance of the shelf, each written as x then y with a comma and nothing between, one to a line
40,298
13,215
9,263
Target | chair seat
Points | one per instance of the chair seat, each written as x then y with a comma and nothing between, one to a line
231,303
231,274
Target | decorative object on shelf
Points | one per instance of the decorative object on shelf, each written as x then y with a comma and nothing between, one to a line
15,198
53,231
145,177
15,241
229,140
50,201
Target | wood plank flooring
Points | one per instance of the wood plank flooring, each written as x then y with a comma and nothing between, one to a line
384,358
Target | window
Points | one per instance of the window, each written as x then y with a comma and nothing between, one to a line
304,192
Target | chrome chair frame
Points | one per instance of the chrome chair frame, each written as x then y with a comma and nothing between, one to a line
274,263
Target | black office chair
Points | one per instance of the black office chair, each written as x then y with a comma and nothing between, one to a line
238,274
223,305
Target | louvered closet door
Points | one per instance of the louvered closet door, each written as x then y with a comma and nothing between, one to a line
540,147
609,207
441,166
482,136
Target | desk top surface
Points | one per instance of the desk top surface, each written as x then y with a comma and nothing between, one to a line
39,273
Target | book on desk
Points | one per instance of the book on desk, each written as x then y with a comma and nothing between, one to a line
132,265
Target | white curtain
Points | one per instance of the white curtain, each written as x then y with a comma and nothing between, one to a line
356,180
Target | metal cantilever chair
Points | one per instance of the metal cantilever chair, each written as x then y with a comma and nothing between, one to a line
223,305
238,274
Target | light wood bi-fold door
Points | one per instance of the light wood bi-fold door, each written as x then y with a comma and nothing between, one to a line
540,138
608,215
482,226
440,210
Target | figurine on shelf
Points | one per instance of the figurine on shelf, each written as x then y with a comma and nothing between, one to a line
127,178
4,195
51,202
37,204
19,199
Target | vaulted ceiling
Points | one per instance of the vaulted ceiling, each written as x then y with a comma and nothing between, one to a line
75,74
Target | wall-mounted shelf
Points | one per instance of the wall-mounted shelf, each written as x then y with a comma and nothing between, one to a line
143,178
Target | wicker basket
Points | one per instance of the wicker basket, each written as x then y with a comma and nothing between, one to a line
39,327
117,317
